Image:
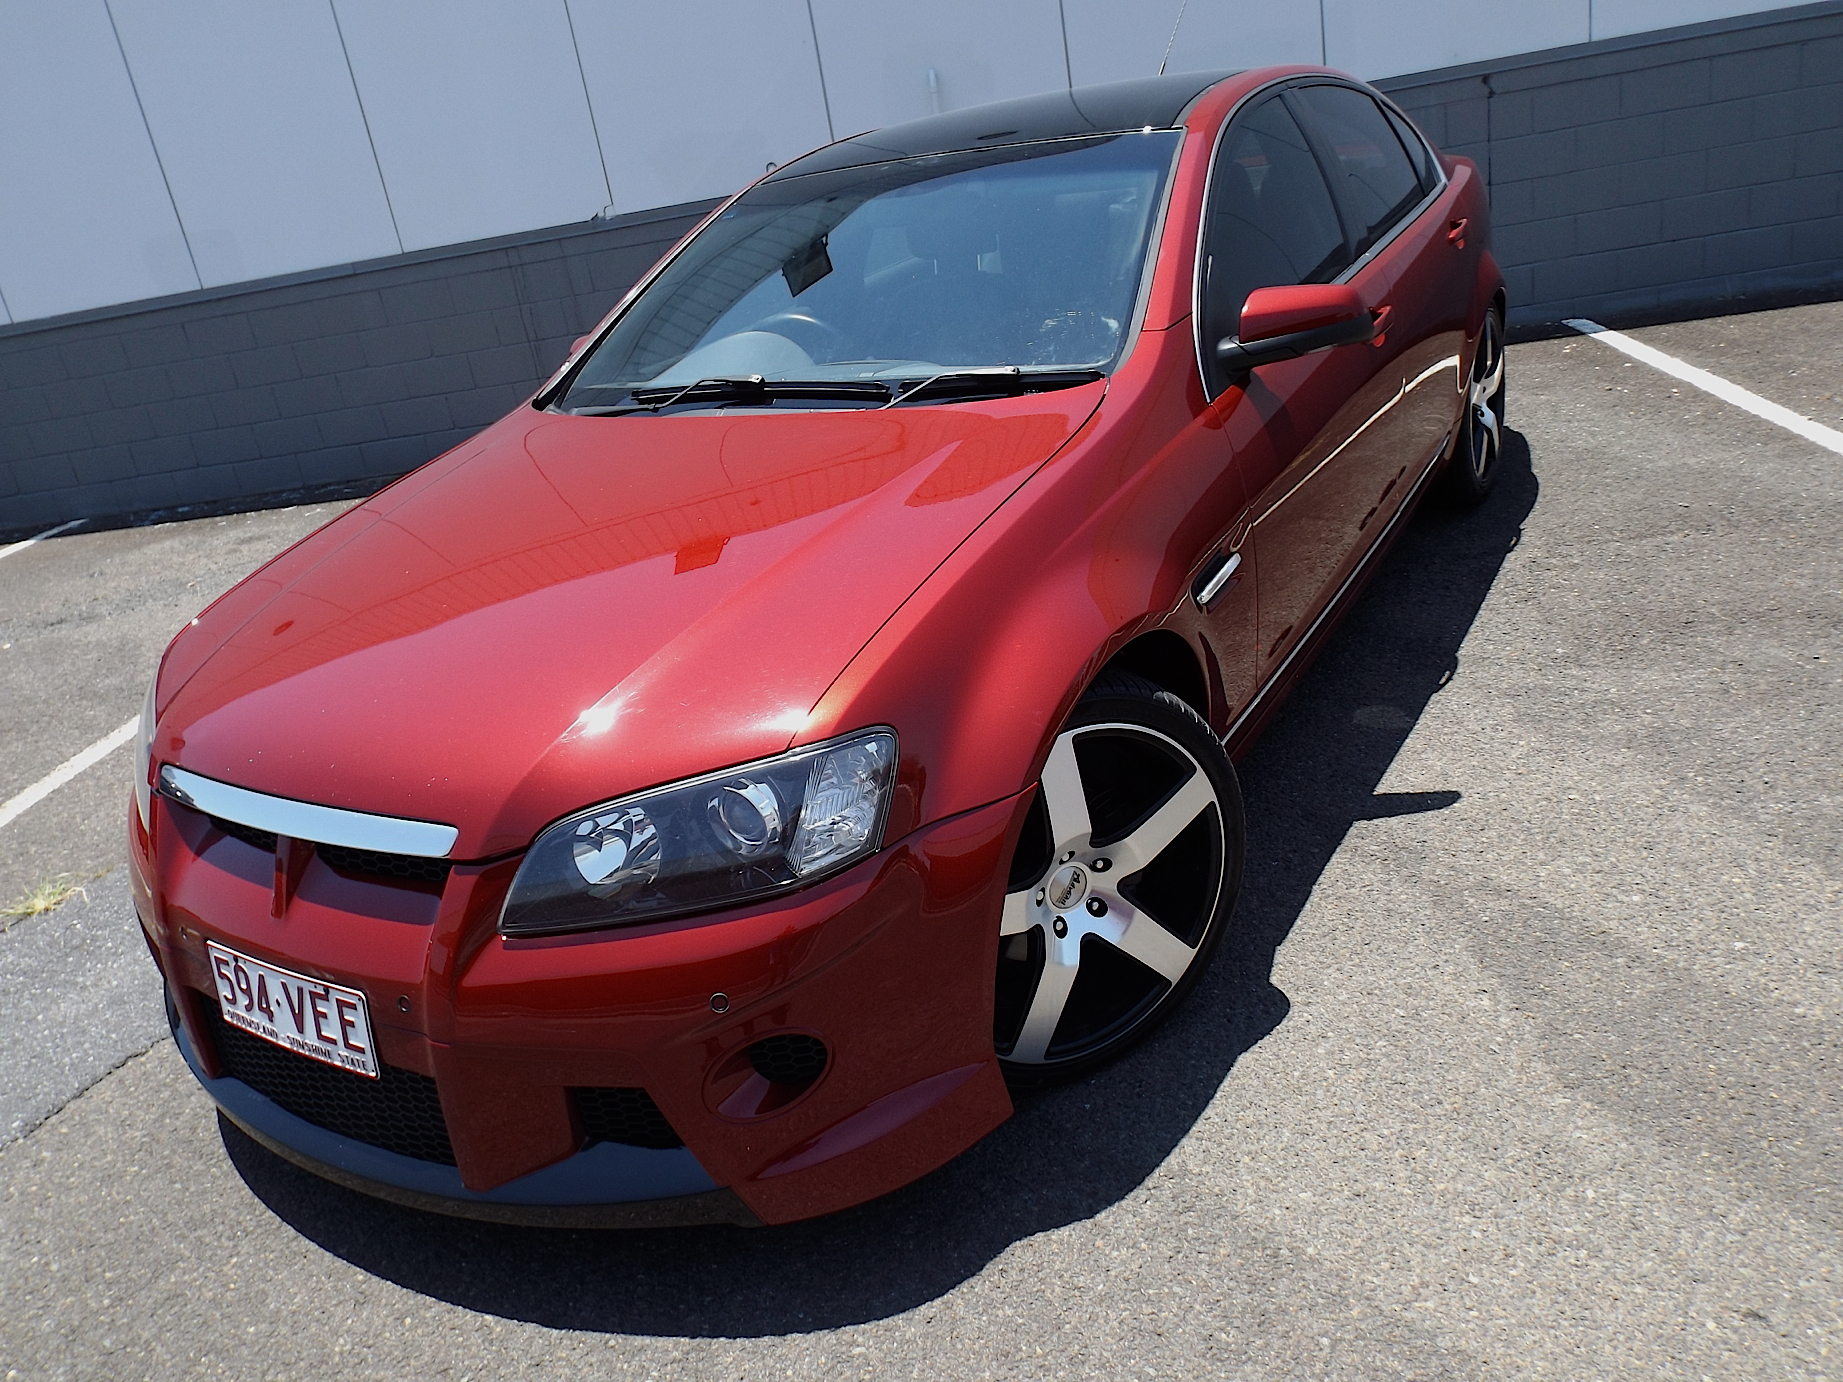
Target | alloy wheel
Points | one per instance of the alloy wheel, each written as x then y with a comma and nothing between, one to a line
1136,861
1485,401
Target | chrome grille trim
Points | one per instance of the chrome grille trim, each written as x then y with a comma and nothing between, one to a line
303,820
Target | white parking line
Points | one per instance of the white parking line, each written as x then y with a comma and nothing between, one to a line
65,771
1824,436
24,543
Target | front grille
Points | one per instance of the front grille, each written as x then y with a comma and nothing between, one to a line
411,868
368,863
789,1058
249,834
623,1115
399,1111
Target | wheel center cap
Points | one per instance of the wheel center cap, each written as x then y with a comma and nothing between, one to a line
1067,887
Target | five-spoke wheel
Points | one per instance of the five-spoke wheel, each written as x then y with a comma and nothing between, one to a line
1481,435
1124,880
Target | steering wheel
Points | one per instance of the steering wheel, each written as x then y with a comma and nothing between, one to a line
817,337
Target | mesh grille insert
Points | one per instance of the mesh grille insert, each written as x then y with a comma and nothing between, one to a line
623,1115
411,868
368,863
249,834
399,1111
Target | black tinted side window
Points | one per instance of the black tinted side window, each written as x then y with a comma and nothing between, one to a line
1271,219
1418,153
1375,181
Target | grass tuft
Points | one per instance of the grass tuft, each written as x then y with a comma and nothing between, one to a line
42,899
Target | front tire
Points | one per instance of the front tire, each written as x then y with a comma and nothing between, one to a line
1124,882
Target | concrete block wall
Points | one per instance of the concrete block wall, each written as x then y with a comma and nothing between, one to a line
1646,174
1656,172
341,378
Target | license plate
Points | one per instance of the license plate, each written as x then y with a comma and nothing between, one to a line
308,1016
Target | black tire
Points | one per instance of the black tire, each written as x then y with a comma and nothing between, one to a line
1478,450
1140,937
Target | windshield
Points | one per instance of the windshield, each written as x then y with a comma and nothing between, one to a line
1028,257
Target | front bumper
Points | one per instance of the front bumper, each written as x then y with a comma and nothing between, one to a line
889,964
607,1185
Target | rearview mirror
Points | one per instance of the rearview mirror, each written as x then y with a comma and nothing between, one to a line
1285,323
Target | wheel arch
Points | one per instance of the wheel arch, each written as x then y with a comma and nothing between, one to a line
1167,661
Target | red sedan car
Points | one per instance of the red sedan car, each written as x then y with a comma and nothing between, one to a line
704,793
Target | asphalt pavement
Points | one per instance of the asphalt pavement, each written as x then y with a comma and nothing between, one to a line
1523,1060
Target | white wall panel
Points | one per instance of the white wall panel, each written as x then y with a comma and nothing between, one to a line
1611,18
1110,41
877,55
259,129
84,215
1376,40
479,115
682,119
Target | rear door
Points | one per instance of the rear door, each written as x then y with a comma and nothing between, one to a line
1391,196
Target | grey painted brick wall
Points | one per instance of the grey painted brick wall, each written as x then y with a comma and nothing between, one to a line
1629,176
1656,172
345,377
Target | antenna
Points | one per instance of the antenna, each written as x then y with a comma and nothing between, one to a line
1173,39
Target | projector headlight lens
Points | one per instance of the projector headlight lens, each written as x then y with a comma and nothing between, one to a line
708,843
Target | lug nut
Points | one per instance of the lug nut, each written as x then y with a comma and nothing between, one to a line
1061,927
1039,897
1096,907
1066,857
1101,865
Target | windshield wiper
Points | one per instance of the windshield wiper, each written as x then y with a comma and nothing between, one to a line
996,380
748,388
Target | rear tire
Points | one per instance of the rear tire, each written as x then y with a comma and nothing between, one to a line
1473,469
1124,882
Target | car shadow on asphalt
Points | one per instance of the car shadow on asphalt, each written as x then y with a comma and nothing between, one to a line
1069,1153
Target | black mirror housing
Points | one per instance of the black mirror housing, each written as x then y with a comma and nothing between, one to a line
1240,357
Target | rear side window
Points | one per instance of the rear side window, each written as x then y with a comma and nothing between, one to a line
1271,219
1376,183
1418,153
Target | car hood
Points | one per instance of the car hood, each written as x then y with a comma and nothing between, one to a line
566,609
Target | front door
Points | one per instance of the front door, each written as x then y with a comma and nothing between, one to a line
1297,427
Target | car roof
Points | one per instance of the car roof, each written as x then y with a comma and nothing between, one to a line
1155,102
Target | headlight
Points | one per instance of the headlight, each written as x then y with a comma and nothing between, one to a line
144,754
709,843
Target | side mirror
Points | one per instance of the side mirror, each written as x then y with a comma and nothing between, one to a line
1285,323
